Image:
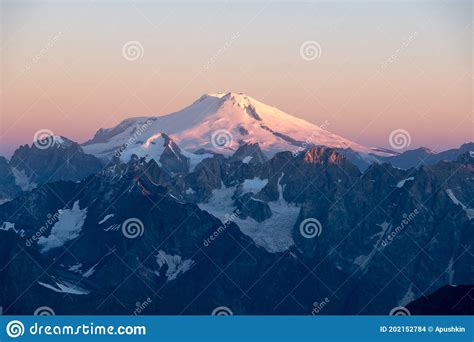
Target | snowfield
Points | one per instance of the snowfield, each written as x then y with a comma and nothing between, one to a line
274,234
68,227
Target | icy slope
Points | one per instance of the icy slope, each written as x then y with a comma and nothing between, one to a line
220,123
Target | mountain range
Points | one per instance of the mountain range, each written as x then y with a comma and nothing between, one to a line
215,123
232,203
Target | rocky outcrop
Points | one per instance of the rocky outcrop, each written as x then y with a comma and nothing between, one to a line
60,159
323,156
8,187
172,158
249,154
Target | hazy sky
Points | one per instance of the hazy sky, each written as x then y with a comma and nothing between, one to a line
384,65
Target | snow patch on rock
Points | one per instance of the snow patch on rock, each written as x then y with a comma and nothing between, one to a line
106,218
403,181
67,228
253,185
65,287
176,265
23,181
247,159
469,211
189,191
11,226
5,200
89,272
76,268
274,234
408,297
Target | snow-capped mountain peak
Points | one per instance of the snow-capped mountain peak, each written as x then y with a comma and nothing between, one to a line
220,123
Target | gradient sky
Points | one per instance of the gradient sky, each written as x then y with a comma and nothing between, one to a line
384,65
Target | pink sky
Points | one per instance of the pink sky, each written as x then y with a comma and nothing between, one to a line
383,65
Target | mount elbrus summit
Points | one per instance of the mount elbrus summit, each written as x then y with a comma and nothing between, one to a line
230,203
